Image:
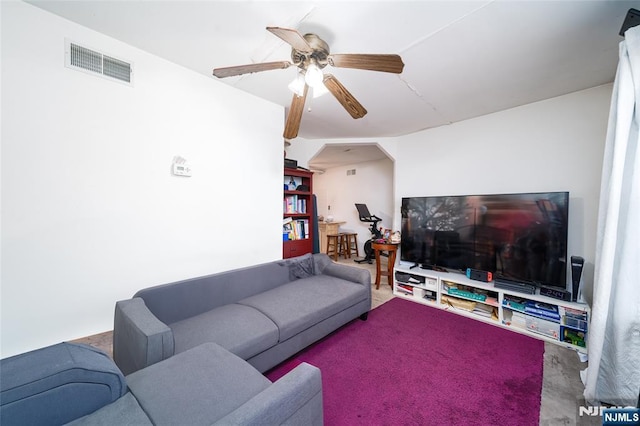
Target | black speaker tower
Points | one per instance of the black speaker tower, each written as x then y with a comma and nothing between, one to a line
577,263
631,20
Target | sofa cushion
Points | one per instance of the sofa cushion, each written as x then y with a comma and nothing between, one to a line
196,387
300,304
184,299
240,329
124,411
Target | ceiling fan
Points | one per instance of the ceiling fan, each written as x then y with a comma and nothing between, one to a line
311,54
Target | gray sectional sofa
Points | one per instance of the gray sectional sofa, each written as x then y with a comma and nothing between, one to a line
264,314
207,385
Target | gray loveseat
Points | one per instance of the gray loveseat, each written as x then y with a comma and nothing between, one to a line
206,385
264,314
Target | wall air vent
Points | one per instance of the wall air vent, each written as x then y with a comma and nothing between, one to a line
83,59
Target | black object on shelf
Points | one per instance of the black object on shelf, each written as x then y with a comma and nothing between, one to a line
577,263
290,164
556,293
631,20
508,284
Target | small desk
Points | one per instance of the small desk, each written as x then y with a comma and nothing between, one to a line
392,249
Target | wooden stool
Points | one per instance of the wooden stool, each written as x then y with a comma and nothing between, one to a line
351,244
392,250
335,245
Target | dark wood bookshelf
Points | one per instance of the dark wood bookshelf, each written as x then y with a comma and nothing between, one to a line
297,206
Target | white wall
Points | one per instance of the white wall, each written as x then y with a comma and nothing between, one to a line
372,185
553,145
90,211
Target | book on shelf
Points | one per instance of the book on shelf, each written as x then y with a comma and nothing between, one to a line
493,301
513,302
575,323
468,294
407,290
296,229
287,228
542,306
575,314
294,204
537,309
542,310
466,305
543,316
303,228
482,309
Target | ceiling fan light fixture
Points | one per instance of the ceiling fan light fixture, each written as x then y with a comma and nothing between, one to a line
310,54
319,91
313,76
297,85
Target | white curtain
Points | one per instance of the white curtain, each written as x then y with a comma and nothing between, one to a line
613,375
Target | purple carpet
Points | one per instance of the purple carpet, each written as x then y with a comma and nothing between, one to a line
411,364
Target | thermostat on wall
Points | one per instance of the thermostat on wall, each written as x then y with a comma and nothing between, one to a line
180,167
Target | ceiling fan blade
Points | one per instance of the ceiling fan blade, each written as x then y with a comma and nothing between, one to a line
293,37
246,69
292,125
346,99
372,62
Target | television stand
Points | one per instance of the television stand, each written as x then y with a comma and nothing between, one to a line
556,321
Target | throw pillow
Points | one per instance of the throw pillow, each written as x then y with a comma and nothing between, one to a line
299,267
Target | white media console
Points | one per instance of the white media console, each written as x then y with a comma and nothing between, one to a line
552,320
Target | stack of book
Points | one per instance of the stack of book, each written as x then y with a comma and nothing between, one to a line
296,229
294,204
575,318
465,305
486,311
542,310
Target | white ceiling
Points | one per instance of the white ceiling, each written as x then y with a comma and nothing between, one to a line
463,59
338,154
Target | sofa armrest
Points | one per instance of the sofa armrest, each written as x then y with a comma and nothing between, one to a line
139,338
57,384
349,273
294,399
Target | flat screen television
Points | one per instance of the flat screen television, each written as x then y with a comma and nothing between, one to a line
520,237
